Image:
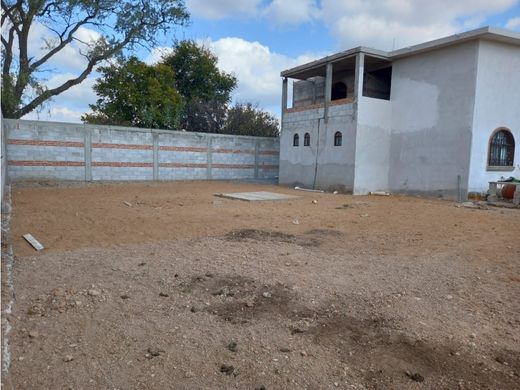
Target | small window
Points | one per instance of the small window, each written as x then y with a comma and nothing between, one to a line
307,139
501,149
296,140
337,138
339,91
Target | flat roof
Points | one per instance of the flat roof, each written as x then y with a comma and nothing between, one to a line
488,33
317,67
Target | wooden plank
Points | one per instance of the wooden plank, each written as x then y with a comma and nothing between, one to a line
33,241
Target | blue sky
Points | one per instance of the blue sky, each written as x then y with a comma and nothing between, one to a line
256,39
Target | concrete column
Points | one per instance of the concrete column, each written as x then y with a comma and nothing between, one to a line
209,158
328,91
493,196
155,156
284,98
360,70
88,154
516,196
257,147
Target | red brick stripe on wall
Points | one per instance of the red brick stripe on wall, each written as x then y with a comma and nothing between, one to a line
45,143
216,150
183,165
233,151
27,163
182,149
233,166
116,164
121,146
135,147
216,166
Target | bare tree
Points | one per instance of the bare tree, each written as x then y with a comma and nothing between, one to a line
121,24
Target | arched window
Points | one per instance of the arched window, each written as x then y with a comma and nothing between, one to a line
337,138
296,140
501,149
307,139
339,91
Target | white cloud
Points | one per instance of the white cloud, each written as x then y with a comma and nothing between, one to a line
283,12
56,114
257,69
380,23
157,54
513,23
222,8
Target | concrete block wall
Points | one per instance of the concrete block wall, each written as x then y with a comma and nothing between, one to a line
65,151
40,150
335,170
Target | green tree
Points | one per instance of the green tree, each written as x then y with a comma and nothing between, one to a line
121,25
132,93
205,88
248,119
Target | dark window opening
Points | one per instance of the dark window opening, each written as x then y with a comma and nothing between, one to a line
339,91
296,140
307,139
501,149
337,138
377,84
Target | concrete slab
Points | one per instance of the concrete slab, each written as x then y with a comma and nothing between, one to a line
256,196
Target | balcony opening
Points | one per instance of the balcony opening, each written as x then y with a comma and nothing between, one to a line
377,83
339,91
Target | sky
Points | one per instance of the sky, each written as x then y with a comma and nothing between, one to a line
257,39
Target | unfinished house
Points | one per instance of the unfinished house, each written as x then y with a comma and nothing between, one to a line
440,118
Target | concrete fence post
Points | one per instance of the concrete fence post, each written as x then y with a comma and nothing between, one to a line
257,147
209,158
88,154
155,138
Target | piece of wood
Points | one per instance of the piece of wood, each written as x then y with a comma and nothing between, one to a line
307,189
33,241
127,203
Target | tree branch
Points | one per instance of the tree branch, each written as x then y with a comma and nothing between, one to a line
8,56
63,43
8,13
72,82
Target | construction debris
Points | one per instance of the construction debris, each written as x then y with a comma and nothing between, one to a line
33,241
256,196
307,189
379,193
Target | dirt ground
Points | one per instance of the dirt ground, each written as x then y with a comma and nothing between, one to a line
179,289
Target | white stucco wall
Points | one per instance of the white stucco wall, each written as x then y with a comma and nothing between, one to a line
497,104
373,135
432,118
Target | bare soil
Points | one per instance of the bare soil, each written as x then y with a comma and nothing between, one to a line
184,290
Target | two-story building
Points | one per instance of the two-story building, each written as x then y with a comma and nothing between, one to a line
439,118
